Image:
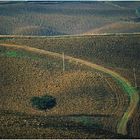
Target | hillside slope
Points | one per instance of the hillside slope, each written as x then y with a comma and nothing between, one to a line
124,27
44,18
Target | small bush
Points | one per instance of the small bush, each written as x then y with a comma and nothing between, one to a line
44,102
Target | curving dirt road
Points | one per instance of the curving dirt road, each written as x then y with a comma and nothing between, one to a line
123,83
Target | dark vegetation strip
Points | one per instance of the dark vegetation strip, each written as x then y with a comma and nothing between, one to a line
57,122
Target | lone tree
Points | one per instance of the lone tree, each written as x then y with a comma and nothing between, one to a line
44,102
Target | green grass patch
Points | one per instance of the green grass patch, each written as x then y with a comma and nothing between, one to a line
5,38
11,54
126,87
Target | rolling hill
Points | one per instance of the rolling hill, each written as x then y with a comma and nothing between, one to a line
69,69
124,27
66,18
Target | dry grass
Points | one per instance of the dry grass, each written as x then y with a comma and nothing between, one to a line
24,126
117,27
62,18
78,91
134,126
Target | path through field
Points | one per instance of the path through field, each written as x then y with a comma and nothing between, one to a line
122,82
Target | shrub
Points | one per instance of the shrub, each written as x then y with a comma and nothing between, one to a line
44,102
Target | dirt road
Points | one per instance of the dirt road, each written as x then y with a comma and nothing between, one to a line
122,82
